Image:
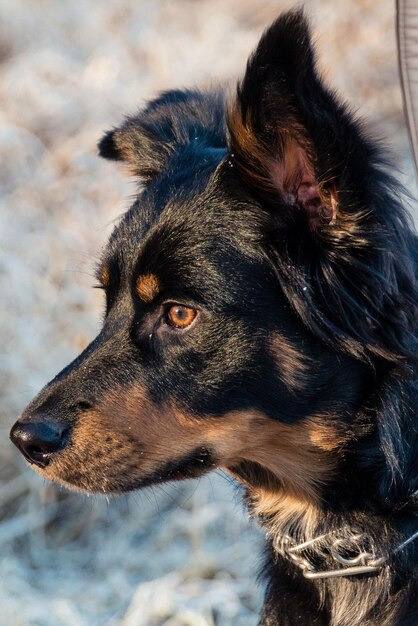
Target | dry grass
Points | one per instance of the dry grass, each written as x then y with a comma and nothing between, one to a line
68,70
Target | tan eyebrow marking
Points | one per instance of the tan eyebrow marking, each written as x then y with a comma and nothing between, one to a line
147,287
104,276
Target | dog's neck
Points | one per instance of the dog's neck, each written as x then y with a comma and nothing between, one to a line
366,599
369,506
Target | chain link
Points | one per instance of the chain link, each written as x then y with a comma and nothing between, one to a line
362,560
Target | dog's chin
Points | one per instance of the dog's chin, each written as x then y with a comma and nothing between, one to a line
194,465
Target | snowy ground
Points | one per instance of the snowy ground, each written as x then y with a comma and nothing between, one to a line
180,555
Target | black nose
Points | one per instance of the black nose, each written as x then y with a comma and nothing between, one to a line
38,438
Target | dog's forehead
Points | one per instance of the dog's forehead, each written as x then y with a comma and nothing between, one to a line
194,240
190,231
170,225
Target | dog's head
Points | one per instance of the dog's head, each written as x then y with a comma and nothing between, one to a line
262,271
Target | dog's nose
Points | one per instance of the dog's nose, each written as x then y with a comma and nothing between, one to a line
38,438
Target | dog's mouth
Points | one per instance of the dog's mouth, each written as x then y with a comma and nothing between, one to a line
194,465
112,476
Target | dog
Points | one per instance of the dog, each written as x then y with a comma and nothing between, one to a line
261,317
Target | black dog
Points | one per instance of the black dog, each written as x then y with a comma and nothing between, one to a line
261,317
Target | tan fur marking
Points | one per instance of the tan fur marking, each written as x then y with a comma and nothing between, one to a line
128,438
147,287
288,451
292,364
284,511
328,433
105,276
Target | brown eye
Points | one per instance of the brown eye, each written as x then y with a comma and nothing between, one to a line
180,316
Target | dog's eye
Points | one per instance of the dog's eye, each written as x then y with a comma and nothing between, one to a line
180,316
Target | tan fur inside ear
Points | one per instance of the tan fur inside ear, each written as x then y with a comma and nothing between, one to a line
286,167
248,153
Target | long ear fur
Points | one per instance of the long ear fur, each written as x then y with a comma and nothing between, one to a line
341,243
176,119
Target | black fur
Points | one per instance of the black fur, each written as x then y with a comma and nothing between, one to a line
333,275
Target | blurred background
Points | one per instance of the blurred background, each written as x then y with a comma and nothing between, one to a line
176,555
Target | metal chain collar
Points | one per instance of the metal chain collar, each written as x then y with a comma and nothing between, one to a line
348,552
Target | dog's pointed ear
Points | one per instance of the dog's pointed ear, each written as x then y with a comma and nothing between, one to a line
339,238
282,123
